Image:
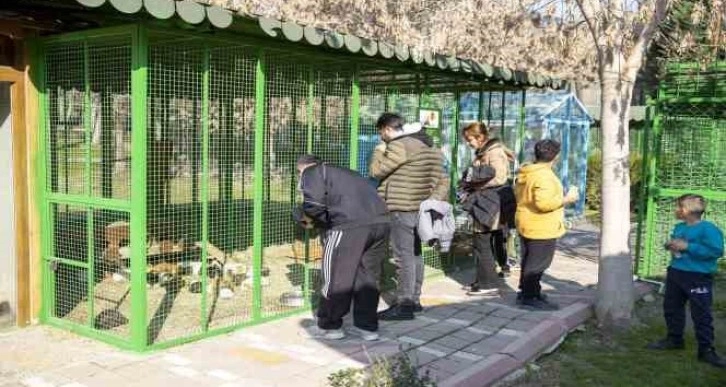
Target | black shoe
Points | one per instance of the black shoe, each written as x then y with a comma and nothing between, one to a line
712,358
541,297
504,272
666,344
538,304
398,312
417,307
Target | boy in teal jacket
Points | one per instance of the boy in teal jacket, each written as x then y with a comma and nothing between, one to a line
695,246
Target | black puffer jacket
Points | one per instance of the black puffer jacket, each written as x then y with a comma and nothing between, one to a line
338,198
491,207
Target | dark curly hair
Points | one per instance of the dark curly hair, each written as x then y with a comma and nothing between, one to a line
546,150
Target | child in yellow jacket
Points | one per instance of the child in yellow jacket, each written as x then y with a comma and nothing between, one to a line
540,220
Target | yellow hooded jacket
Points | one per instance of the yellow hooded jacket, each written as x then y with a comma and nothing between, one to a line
540,212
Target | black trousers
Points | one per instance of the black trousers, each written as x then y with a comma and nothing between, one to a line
351,268
537,255
697,290
489,247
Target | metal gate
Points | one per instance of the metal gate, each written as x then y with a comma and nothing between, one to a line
685,152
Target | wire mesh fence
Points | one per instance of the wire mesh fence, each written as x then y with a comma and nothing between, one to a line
685,154
222,124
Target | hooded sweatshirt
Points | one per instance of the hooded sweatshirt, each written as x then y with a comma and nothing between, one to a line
410,170
540,212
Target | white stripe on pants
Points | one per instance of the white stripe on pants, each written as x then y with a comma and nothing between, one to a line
331,243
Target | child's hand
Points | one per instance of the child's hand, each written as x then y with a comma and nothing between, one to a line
573,195
678,245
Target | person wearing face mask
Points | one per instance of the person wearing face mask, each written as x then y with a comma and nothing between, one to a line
409,170
354,226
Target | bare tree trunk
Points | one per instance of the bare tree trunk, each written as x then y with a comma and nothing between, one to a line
615,296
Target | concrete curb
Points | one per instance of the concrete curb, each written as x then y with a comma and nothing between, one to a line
542,337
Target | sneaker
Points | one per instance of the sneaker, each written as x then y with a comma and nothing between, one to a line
364,334
666,344
324,334
397,312
538,304
475,290
520,297
712,358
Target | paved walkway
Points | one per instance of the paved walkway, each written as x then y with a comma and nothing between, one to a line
459,340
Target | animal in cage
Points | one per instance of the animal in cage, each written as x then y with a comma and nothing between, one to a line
116,254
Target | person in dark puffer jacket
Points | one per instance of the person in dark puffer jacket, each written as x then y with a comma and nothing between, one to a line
410,170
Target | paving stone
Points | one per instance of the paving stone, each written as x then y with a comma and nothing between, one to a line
509,313
466,315
465,357
426,334
453,342
438,348
522,325
482,309
534,316
85,370
435,374
488,346
450,365
492,322
106,378
441,312
507,333
485,373
420,358
445,327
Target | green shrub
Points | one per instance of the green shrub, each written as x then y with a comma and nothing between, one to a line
594,180
397,371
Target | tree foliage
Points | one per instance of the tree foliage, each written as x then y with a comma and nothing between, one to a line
547,36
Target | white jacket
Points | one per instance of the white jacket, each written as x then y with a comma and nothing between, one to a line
439,231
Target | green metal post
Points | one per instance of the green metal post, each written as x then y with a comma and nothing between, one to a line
205,186
310,111
519,141
87,129
489,109
480,108
259,186
502,121
642,201
90,266
139,83
37,72
307,281
454,141
354,121
650,188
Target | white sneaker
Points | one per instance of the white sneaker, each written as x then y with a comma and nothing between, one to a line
483,292
364,334
324,334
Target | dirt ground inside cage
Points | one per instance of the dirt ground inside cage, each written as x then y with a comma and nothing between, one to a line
174,308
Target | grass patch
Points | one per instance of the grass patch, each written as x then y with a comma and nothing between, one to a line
595,358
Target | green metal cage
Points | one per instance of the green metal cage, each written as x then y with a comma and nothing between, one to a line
168,174
684,153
